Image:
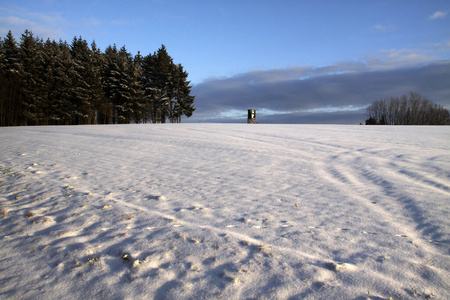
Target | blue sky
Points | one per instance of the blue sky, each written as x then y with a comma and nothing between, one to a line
294,61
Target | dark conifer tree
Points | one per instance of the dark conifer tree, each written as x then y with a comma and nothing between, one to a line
166,87
162,79
137,89
2,86
56,83
112,83
95,81
184,100
82,98
31,77
61,71
11,75
43,81
125,101
149,89
105,108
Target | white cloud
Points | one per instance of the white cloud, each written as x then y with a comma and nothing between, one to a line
438,15
19,19
440,47
15,21
399,58
380,27
92,22
383,27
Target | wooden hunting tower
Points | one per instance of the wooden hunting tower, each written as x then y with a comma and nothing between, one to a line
251,116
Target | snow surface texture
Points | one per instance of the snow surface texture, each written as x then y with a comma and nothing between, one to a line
196,211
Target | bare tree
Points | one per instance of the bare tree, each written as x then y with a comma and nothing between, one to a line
409,109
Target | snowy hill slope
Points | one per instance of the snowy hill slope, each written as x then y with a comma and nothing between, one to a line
195,211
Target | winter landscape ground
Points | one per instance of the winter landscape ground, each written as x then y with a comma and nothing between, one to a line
196,211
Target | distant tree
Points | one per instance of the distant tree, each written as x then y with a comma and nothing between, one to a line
409,109
371,121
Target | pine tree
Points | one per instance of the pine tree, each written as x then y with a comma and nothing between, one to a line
161,79
122,82
54,83
36,80
109,82
82,98
113,84
137,88
61,71
184,100
2,86
125,101
11,80
95,81
166,87
28,53
149,89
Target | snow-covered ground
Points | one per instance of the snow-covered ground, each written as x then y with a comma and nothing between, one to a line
229,211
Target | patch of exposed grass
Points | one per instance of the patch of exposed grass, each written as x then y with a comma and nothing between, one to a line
128,216
3,211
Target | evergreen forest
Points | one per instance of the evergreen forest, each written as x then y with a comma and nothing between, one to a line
56,83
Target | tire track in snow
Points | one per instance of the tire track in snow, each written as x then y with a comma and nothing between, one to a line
424,180
271,142
348,178
344,179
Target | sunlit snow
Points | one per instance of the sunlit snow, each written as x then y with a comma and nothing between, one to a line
229,211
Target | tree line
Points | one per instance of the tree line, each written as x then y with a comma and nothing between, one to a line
54,83
409,109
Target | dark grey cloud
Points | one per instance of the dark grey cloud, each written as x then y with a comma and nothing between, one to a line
334,94
341,117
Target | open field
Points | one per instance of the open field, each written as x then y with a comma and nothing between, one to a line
228,211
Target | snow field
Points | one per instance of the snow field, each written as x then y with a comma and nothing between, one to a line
193,211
